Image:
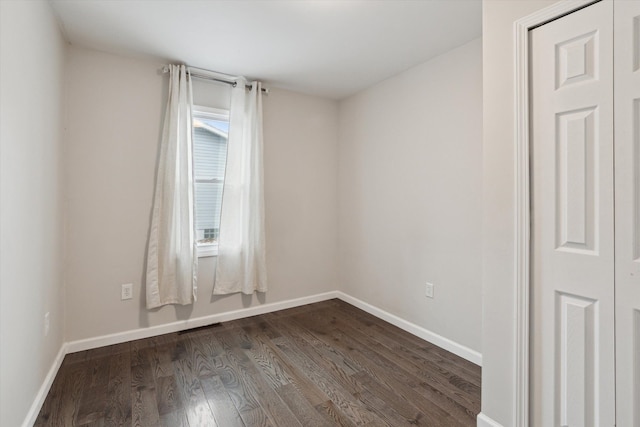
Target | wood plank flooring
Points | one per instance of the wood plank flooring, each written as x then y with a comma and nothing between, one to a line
323,364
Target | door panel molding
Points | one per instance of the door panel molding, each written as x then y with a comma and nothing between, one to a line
577,154
578,341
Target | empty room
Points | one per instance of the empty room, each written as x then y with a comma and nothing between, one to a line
319,213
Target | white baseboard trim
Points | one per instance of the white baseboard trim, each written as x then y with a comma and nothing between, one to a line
484,421
412,328
167,328
89,343
34,410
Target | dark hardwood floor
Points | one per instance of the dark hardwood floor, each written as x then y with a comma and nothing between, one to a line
322,364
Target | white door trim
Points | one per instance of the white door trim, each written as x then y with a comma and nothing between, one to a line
522,213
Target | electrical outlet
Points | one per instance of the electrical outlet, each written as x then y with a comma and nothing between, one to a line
429,290
47,324
127,291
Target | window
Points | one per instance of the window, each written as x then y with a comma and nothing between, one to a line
210,233
210,129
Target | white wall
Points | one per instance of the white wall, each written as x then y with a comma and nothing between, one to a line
31,202
410,179
115,109
499,206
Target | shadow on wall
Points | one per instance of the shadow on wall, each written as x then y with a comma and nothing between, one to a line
184,312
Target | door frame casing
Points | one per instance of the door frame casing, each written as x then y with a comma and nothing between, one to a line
522,192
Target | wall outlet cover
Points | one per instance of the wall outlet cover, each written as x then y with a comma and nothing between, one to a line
127,291
429,290
47,323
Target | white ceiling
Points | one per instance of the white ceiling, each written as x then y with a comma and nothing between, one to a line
331,48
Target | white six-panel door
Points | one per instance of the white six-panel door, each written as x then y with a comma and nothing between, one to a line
627,196
572,373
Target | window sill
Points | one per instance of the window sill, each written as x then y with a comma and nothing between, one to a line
207,250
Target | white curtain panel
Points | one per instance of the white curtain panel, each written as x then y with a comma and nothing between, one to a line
241,265
172,261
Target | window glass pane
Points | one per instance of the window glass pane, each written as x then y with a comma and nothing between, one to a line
209,160
221,125
208,203
209,153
